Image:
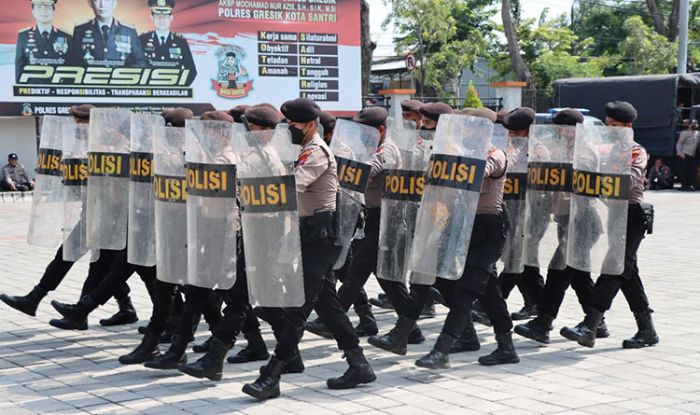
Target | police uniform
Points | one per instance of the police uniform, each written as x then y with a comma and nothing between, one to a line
607,286
45,49
172,52
317,186
117,45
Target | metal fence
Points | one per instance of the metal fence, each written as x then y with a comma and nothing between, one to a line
493,103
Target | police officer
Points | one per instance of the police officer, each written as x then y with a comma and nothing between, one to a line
623,114
410,111
41,44
317,187
559,280
163,48
327,121
59,268
529,282
104,41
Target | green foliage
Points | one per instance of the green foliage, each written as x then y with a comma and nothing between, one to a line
644,51
472,99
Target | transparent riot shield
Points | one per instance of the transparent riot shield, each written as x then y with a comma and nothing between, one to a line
44,229
212,213
75,141
353,144
141,233
108,178
514,199
599,202
170,184
403,189
548,196
448,206
270,219
499,139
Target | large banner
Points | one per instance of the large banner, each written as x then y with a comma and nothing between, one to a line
151,54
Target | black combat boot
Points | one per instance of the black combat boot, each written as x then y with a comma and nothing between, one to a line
646,335
602,331
528,311
294,365
125,315
26,304
428,309
358,373
211,365
536,329
439,357
479,315
318,328
202,348
173,357
255,350
368,324
585,332
504,353
468,341
397,339
382,301
75,316
267,386
416,336
145,351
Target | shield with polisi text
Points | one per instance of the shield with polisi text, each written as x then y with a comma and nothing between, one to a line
448,207
270,218
600,191
74,166
514,199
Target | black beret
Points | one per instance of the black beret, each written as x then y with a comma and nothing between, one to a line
264,115
327,120
411,105
433,110
301,110
176,117
568,117
81,112
216,116
372,116
237,111
499,116
519,119
12,156
621,111
482,112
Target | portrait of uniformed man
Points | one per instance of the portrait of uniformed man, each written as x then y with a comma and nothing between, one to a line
164,48
41,44
231,68
105,41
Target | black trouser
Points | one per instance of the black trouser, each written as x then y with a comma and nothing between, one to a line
607,286
529,282
196,300
364,261
163,300
318,257
555,288
688,171
361,301
478,281
120,271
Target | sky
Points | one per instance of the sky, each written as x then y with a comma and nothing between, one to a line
378,12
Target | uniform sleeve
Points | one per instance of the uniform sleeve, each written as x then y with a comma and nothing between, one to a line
639,165
312,163
6,175
137,59
188,61
495,164
681,142
376,163
75,52
20,58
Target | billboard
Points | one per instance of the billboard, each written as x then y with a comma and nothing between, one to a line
197,53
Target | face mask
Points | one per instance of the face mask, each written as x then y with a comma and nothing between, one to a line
297,135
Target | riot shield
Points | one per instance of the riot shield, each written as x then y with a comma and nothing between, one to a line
403,188
44,229
141,238
170,184
212,213
514,199
353,144
548,196
108,178
499,138
599,201
270,219
448,207
74,166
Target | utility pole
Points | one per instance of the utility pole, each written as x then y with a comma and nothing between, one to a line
683,38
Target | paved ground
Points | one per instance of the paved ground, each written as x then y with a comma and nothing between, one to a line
45,370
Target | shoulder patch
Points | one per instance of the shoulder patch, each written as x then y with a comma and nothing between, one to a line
126,24
304,156
491,151
25,29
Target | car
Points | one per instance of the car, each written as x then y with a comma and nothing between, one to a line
546,118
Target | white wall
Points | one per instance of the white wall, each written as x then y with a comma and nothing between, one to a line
18,135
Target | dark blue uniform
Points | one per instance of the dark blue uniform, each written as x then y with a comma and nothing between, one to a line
172,52
119,48
33,48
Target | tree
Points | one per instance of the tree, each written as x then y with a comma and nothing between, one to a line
519,65
472,99
430,31
367,48
645,52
